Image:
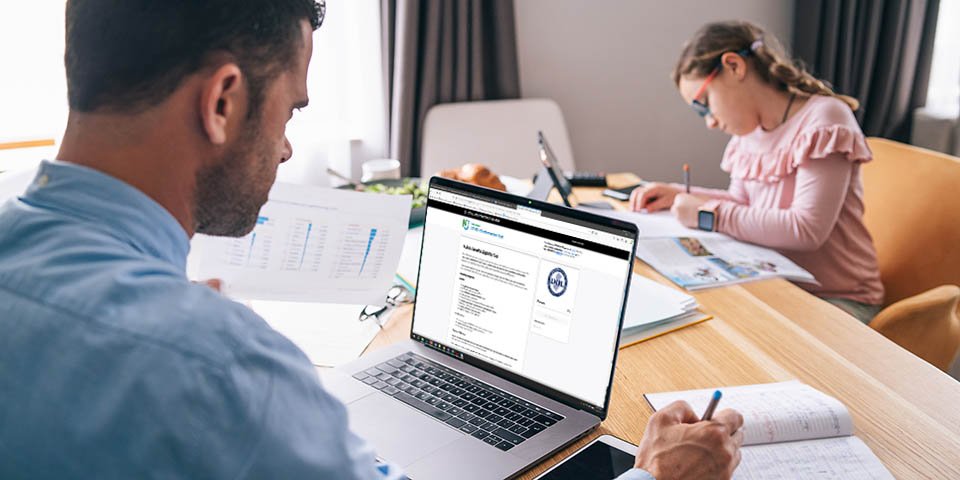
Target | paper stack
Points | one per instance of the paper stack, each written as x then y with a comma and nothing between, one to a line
654,309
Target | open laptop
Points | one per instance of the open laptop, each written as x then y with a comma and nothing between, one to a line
560,182
513,340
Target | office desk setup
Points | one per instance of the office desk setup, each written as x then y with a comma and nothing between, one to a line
903,408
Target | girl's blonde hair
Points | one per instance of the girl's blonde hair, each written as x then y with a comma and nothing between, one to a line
701,54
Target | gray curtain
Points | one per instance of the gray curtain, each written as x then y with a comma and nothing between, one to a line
440,51
878,51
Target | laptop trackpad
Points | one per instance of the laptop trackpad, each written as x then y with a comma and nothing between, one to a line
399,433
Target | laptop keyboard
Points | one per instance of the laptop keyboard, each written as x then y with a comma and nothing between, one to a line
460,401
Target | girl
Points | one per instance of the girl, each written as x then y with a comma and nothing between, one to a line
794,161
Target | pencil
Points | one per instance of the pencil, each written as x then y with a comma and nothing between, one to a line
686,176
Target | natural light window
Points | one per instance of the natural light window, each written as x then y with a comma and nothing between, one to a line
943,95
344,124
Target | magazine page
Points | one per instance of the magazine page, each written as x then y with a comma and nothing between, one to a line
695,263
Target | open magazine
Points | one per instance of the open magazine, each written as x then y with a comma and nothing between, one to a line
791,430
710,261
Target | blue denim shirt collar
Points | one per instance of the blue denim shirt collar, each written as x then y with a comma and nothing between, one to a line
123,211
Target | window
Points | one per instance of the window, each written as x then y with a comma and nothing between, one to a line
344,124
943,95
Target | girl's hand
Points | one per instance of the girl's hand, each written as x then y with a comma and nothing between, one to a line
686,207
653,197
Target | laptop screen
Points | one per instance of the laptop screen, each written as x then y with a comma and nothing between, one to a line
528,288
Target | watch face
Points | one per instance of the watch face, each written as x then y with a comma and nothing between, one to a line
705,220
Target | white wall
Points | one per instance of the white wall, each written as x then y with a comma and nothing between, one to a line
607,63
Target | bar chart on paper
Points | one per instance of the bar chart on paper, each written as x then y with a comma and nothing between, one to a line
363,249
309,244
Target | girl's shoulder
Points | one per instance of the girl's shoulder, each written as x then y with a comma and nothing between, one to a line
824,126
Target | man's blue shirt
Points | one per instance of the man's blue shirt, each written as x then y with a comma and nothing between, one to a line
114,365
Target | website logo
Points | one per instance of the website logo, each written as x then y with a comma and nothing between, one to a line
466,224
557,282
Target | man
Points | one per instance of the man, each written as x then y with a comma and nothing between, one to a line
112,364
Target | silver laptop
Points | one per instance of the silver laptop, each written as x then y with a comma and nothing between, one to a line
513,340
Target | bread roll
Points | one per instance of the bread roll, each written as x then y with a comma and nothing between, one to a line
476,174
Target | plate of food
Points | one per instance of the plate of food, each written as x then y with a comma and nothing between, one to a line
400,186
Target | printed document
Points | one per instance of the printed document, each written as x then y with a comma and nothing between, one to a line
310,245
791,430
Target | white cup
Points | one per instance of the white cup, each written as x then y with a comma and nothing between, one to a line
380,169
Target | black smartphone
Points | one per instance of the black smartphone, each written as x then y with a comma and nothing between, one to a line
604,458
621,193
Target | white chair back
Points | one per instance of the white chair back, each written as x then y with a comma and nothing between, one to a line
501,134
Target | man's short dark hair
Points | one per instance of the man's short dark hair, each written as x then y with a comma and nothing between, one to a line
129,55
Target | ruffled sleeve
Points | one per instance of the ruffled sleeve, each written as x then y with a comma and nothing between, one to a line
812,143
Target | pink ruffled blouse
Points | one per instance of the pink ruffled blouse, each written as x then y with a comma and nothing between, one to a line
797,189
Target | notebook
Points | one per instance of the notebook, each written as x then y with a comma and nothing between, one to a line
791,430
654,309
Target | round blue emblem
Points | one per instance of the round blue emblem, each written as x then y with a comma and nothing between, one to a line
557,282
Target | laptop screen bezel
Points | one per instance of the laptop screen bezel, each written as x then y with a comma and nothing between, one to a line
441,347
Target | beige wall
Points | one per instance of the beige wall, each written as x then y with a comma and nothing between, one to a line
607,63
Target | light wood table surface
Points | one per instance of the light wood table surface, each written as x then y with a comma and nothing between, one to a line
904,409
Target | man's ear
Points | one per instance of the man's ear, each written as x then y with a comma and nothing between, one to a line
223,102
735,64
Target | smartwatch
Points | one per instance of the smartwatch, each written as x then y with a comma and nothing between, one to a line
707,219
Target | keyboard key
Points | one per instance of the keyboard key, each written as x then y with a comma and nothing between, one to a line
484,393
526,422
478,401
410,389
432,401
390,390
533,430
508,435
518,429
360,375
423,407
449,398
468,428
428,389
393,381
421,396
481,413
471,407
466,416
471,388
495,399
370,380
379,385
477,421
454,411
494,418
386,368
490,406
492,439
506,423
513,416
372,371
459,402
547,421
457,391
443,405
506,403
504,446
480,434
501,411
455,422
395,363
468,396
488,426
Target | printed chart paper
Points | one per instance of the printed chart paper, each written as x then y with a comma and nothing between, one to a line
310,245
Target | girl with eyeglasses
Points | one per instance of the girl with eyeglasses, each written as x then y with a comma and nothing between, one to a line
794,162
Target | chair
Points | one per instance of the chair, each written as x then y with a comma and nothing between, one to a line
913,214
501,134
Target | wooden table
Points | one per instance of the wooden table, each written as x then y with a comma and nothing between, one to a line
903,408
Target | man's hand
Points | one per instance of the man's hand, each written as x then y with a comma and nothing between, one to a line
686,208
213,283
677,445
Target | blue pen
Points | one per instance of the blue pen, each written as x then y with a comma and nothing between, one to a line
708,414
